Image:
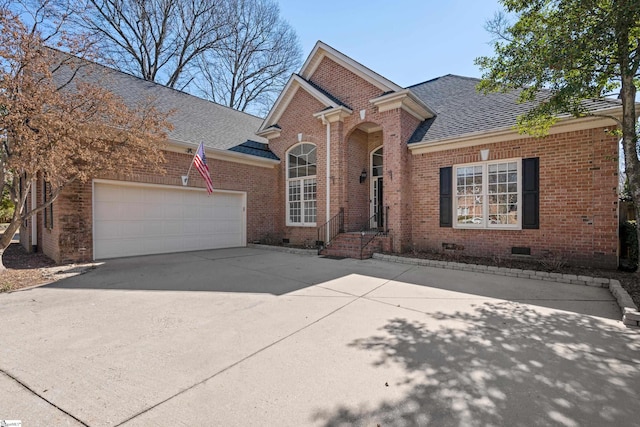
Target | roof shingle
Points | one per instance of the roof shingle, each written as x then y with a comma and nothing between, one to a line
461,109
194,119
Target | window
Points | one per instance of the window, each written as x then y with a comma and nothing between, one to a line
487,195
48,211
301,185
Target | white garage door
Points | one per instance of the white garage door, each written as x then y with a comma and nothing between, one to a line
146,219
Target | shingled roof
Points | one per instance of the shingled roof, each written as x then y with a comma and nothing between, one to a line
460,109
194,119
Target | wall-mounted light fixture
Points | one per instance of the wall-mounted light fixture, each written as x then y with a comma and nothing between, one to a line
363,176
189,150
484,155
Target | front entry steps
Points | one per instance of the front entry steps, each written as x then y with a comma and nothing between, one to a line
348,245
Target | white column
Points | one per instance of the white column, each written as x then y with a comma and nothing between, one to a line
328,176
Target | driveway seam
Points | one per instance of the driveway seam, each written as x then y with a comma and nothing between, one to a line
33,392
260,350
234,364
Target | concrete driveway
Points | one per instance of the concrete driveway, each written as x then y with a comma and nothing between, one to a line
246,336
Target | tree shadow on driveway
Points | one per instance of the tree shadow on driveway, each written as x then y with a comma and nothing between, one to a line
503,363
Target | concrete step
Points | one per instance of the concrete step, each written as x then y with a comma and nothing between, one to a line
348,245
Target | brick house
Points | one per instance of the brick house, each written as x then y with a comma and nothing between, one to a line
435,166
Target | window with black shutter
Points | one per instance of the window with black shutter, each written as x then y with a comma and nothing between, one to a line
48,211
531,193
446,194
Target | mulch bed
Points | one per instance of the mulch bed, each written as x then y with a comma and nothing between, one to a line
25,269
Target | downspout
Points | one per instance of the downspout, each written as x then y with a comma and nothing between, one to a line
328,176
34,218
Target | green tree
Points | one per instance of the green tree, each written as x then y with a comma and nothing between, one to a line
576,50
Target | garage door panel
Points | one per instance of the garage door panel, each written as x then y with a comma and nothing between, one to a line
130,194
138,220
106,210
106,230
131,228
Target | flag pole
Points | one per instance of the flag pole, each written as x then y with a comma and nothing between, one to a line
185,178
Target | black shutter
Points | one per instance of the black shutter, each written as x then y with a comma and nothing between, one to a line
446,193
531,193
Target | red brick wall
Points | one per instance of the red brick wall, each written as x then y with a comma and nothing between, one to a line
348,156
578,199
397,177
298,118
71,237
357,202
345,85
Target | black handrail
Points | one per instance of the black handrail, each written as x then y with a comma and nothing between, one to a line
372,232
335,226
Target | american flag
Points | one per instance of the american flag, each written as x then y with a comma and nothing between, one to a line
200,160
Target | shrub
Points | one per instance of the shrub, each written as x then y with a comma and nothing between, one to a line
629,242
6,207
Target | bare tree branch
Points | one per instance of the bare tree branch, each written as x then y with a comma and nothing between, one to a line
249,68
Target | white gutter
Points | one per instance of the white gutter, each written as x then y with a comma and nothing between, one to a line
34,218
328,176
565,123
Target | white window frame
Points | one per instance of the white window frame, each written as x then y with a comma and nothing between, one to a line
300,181
485,224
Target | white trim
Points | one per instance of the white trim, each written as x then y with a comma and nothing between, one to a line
327,204
170,187
372,195
176,146
270,132
335,114
485,194
406,100
159,186
301,179
505,134
322,50
295,82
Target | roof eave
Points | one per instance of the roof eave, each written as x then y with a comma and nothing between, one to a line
566,124
295,82
406,100
178,146
321,50
335,114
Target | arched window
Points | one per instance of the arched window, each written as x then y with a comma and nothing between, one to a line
301,185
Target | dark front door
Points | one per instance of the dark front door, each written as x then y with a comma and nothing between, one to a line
379,206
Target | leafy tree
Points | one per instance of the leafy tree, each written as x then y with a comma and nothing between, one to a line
577,50
249,68
6,206
55,125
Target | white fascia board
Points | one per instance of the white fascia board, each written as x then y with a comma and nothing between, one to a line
321,50
336,114
406,100
295,82
510,133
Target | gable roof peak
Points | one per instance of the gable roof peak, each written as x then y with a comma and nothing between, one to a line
446,76
322,50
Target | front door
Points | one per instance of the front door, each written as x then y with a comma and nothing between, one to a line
377,216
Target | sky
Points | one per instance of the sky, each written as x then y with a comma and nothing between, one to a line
406,41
